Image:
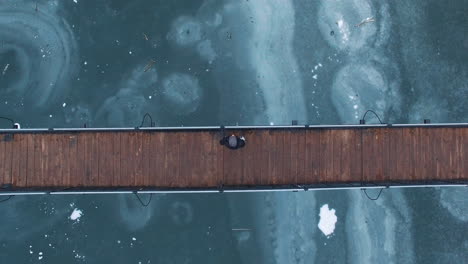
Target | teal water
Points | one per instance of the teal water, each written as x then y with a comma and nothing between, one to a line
106,63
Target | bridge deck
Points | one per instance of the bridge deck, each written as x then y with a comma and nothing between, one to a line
195,159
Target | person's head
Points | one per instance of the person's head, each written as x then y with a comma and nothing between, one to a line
232,141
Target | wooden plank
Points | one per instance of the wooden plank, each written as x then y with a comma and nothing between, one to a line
116,157
199,161
347,147
146,159
447,156
127,177
313,166
451,145
55,168
417,151
80,178
88,155
251,171
16,160
44,160
2,159
208,170
401,154
411,135
124,160
388,163
337,139
172,158
255,156
356,156
298,155
36,180
438,154
30,172
105,159
75,158
326,156
275,156
373,141
461,146
214,174
65,159
266,146
8,140
189,159
157,157
463,164
287,175
137,164
422,168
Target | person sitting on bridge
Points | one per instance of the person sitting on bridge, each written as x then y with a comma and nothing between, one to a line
233,142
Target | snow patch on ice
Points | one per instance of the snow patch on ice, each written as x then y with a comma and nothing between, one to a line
328,220
76,214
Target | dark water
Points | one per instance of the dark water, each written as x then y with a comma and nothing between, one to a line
106,63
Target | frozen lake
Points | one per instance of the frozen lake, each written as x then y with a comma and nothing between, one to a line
105,63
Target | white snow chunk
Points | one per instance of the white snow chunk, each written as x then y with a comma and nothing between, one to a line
328,220
76,214
315,76
134,239
75,1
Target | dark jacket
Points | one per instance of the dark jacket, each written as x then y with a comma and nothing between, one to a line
225,142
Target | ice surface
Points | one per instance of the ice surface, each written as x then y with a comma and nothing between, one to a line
273,60
281,241
380,230
365,85
455,200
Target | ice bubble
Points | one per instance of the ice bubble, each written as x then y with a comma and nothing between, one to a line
78,115
183,92
206,51
122,109
181,213
133,214
185,31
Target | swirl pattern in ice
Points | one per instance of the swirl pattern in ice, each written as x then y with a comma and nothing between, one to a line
40,50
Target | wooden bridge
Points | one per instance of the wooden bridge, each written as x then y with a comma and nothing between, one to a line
193,159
